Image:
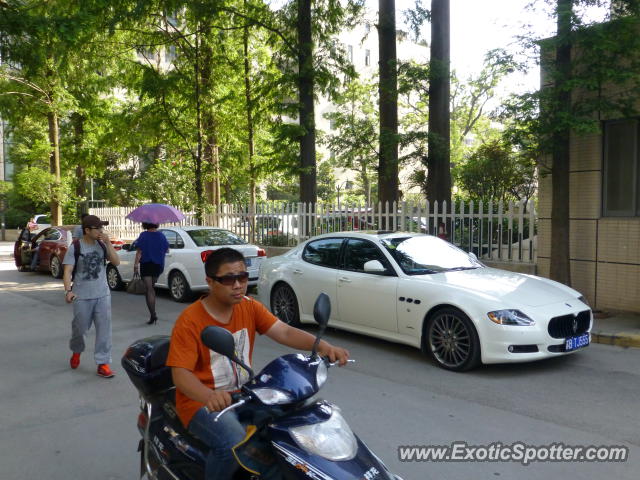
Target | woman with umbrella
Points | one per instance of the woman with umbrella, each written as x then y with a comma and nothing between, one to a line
152,246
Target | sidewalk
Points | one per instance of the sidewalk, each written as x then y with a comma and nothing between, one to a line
613,328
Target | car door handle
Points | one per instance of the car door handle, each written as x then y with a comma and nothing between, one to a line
297,271
344,280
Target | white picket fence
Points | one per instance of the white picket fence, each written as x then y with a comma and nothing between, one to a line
493,231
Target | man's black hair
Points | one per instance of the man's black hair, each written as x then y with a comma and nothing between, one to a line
147,225
219,257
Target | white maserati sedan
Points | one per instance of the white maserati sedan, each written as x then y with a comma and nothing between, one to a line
422,291
184,264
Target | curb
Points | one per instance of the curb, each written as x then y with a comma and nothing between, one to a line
621,339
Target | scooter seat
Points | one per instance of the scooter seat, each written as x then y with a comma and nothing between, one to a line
170,415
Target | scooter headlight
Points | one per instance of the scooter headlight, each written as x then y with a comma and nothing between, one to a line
271,396
332,439
321,374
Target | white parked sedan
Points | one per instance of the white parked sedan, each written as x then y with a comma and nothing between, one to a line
423,291
184,264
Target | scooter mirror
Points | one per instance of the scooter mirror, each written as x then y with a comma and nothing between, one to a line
221,341
322,309
321,314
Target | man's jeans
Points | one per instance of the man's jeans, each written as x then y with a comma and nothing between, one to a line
95,311
220,437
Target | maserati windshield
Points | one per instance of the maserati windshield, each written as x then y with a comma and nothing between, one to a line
424,254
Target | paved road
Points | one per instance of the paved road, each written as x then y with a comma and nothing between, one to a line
61,424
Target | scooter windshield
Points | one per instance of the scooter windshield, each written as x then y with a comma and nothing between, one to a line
294,374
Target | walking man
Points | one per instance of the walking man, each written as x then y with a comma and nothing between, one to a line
89,292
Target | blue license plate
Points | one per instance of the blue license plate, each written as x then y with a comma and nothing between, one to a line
247,262
573,343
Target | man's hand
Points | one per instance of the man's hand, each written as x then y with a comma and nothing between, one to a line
104,236
218,400
69,296
325,349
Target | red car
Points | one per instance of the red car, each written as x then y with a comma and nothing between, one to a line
52,244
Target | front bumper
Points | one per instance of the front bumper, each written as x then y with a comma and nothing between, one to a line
529,343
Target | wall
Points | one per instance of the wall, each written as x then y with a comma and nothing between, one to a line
604,251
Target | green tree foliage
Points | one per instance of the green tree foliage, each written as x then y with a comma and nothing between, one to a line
495,171
355,143
149,92
469,116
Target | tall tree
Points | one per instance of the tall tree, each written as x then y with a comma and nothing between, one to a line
438,152
560,263
36,41
388,97
308,188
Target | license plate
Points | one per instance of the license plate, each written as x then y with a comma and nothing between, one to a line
573,343
247,262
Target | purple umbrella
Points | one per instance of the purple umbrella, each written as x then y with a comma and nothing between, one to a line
155,213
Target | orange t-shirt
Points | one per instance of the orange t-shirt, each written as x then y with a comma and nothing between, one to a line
212,369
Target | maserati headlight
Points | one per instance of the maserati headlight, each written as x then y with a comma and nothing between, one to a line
321,374
510,317
271,396
332,439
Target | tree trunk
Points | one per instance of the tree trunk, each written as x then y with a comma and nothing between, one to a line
54,165
438,158
198,157
81,178
388,92
560,197
250,142
308,187
210,148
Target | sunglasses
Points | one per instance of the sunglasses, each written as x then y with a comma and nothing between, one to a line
96,228
230,280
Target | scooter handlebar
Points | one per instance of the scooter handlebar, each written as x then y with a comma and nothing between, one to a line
233,406
333,364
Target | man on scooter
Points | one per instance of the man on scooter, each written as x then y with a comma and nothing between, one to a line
205,379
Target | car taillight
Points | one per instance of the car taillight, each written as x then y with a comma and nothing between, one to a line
262,252
205,254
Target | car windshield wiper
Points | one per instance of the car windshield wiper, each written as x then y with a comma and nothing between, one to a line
457,269
424,271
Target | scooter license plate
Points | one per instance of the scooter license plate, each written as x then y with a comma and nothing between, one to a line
573,343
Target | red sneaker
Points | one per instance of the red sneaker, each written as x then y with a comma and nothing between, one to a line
75,360
105,371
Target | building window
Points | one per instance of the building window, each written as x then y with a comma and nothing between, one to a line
621,176
367,57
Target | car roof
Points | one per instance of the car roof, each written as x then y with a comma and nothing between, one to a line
370,234
186,228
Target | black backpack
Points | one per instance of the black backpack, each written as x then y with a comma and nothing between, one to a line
76,255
